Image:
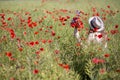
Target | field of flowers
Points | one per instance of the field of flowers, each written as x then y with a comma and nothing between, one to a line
37,42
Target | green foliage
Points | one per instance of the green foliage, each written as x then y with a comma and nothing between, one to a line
62,58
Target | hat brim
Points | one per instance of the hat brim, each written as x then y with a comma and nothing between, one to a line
90,22
90,19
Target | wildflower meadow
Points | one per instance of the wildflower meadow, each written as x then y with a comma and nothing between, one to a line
37,42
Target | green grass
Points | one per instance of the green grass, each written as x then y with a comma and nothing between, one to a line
71,62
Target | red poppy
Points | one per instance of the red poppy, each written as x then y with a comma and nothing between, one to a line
8,54
66,67
108,39
34,24
31,43
101,60
96,60
36,32
40,29
20,49
114,31
12,33
4,23
30,25
104,18
49,41
45,16
37,52
106,55
44,41
9,19
116,26
36,71
12,59
68,17
97,14
99,36
61,65
51,27
41,49
24,33
27,13
62,19
36,42
72,25
102,71
2,16
57,51
108,6
29,20
53,33
46,31
78,44
63,23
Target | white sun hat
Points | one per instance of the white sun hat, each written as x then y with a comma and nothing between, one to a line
96,22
